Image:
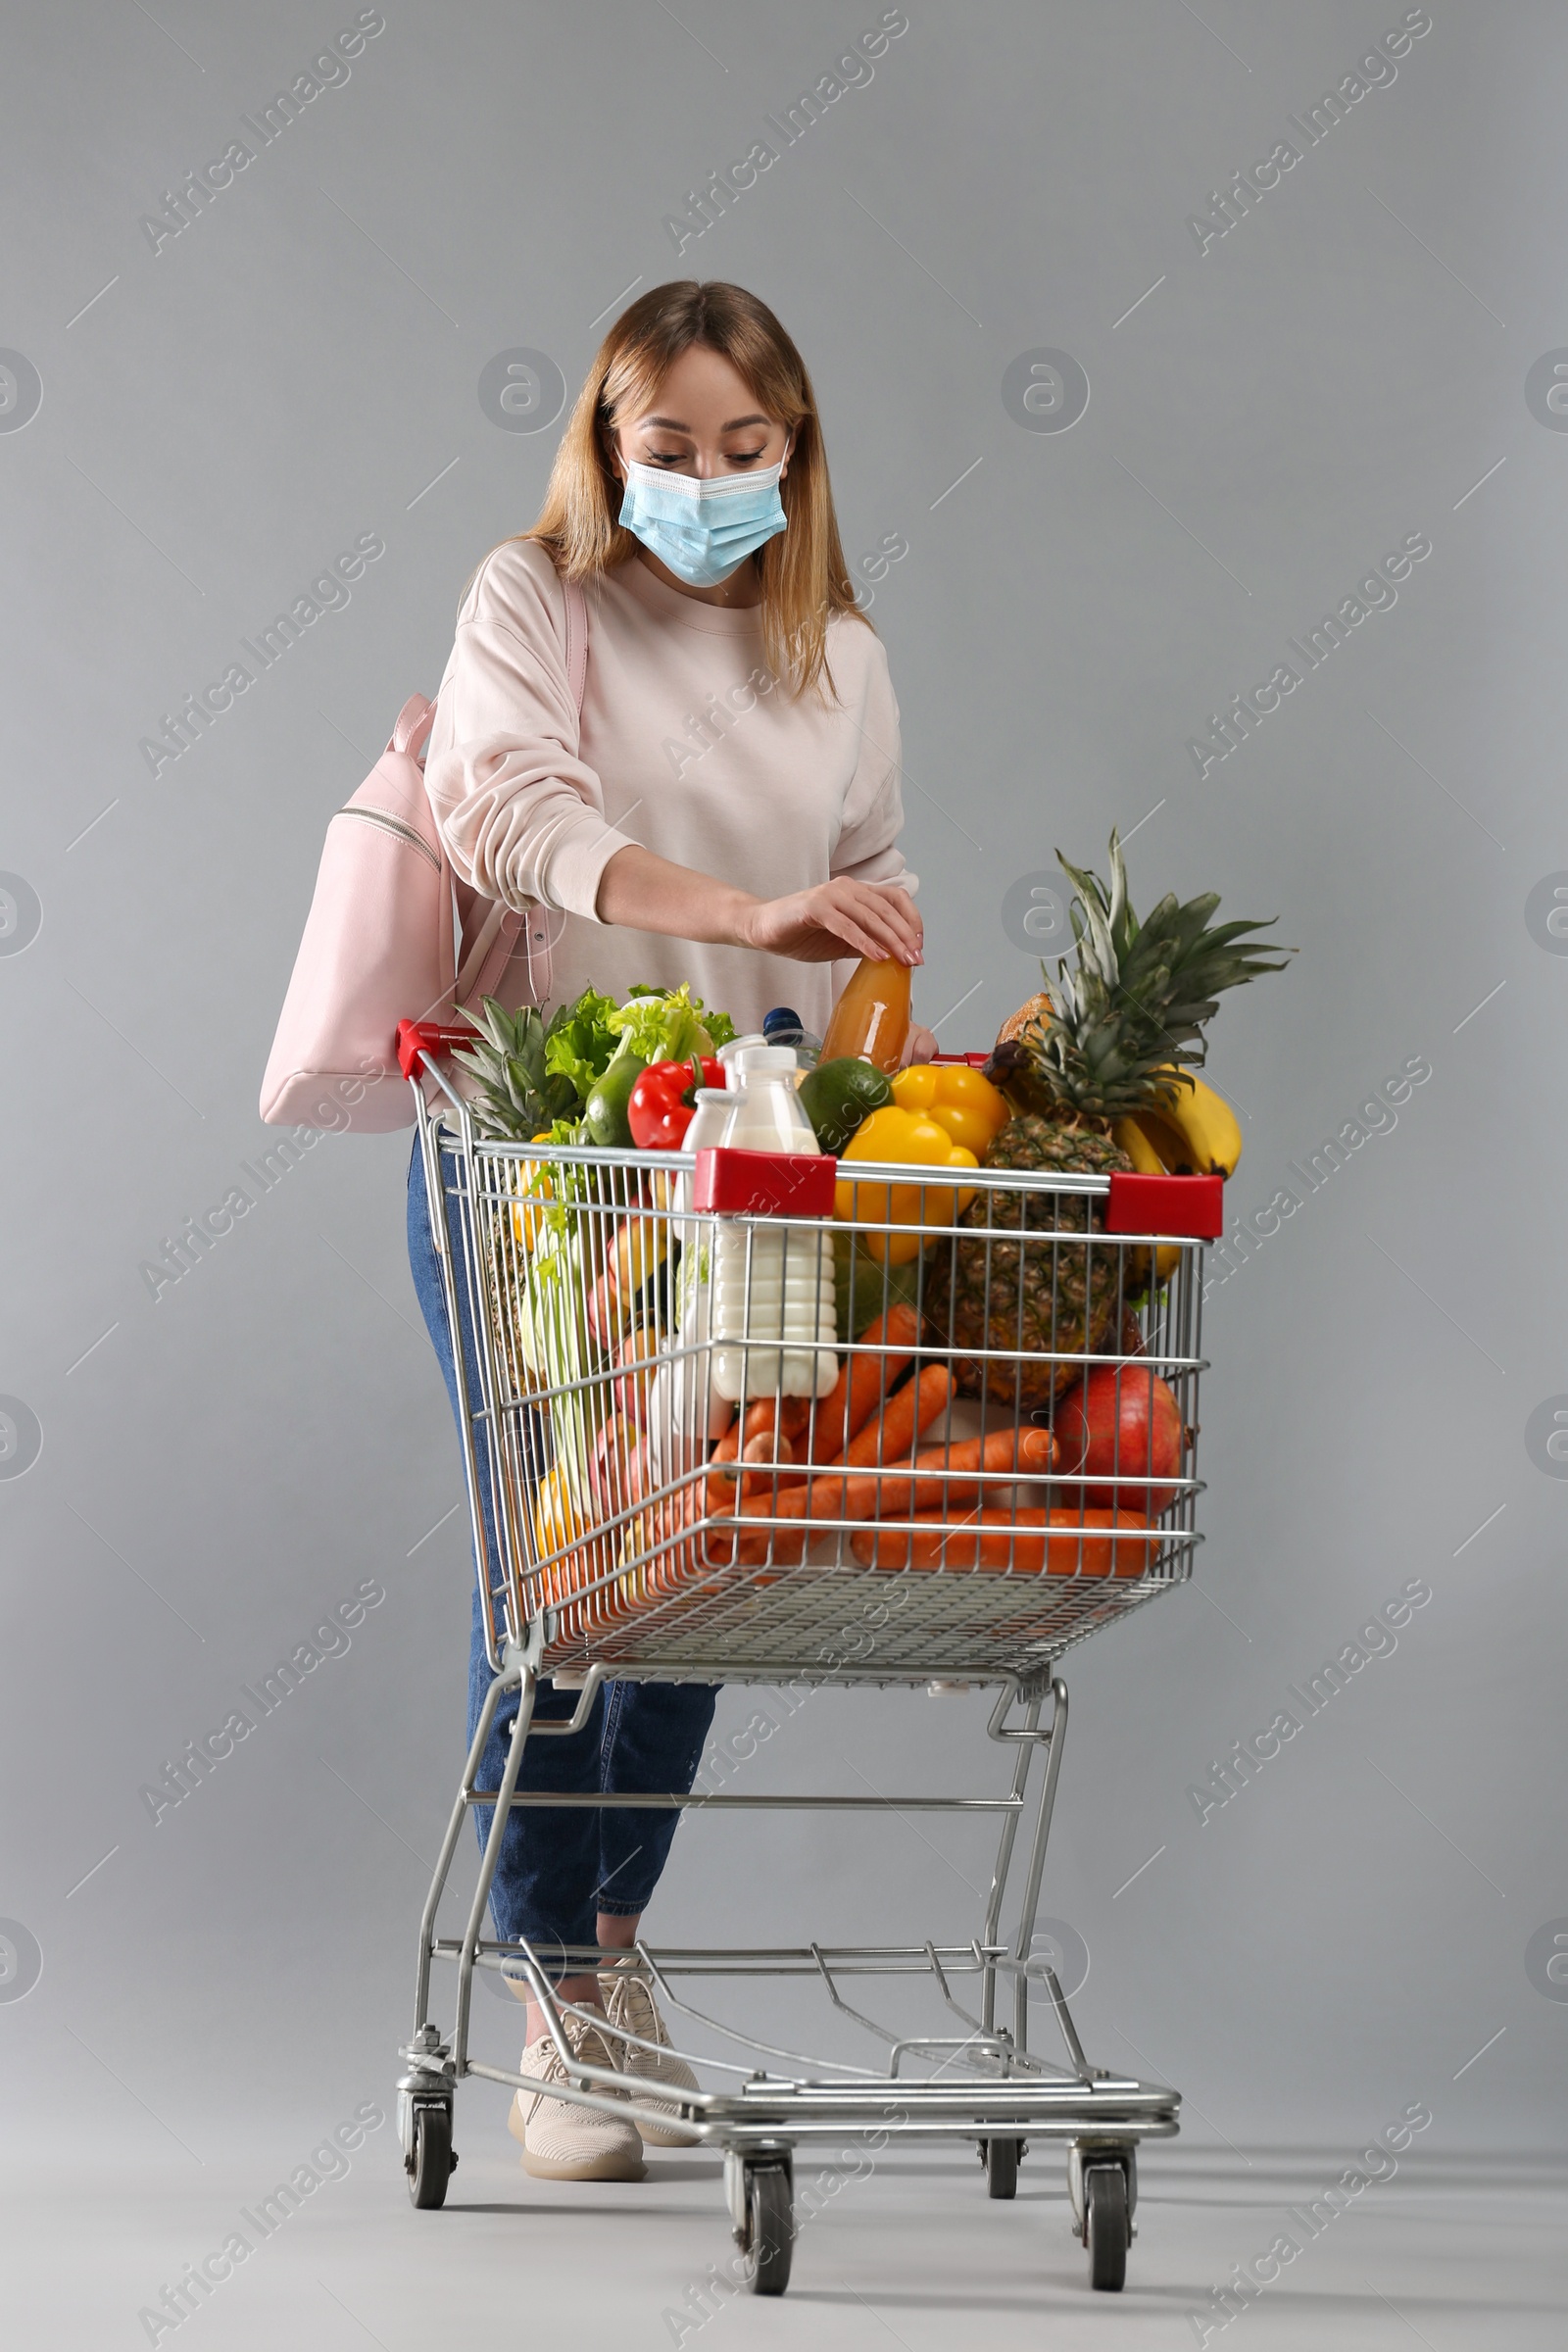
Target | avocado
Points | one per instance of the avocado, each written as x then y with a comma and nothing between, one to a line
838,1095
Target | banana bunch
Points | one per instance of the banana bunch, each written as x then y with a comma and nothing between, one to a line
1197,1135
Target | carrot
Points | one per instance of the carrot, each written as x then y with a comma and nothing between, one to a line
722,1487
778,1487
787,1543
789,1415
864,1381
768,1450
892,1433
1028,1449
801,1511
1029,1542
764,1414
830,1497
894,1489
795,1416
711,1545
966,1472
834,1420
835,1496
798,1512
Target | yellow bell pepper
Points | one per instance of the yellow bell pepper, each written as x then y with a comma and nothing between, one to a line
903,1137
957,1097
566,1529
533,1181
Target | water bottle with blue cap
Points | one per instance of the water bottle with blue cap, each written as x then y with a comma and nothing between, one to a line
783,1027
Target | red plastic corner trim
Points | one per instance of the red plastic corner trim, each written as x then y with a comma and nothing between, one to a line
418,1041
764,1184
1192,1207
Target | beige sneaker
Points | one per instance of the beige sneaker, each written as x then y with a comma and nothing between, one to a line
561,2140
629,2004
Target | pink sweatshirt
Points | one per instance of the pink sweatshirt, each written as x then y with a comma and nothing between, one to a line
687,745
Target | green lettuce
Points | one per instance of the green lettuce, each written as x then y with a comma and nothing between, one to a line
669,1027
580,1042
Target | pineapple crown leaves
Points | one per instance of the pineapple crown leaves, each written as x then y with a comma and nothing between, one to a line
519,1097
1128,1023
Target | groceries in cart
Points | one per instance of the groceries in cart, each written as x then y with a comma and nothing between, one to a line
570,1080
765,1312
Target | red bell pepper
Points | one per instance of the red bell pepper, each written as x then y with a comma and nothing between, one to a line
663,1103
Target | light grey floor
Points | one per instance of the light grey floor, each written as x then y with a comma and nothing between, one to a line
1461,2257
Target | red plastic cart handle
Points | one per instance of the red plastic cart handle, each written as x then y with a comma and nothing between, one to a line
419,1042
764,1184
1191,1206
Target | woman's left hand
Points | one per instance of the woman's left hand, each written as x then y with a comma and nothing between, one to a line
919,1045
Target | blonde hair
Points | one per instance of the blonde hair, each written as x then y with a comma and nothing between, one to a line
805,579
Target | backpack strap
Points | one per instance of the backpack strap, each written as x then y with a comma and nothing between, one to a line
411,731
492,947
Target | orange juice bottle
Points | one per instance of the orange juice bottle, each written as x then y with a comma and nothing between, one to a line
871,1019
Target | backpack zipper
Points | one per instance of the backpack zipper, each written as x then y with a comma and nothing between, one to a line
397,827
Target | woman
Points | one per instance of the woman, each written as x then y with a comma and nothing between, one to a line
725,810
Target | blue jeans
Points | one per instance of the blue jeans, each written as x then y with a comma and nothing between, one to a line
559,1868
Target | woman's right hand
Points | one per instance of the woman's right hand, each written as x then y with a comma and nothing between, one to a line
834,921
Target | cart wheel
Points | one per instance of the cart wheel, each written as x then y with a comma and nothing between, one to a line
433,2162
1001,2167
1105,2201
770,2228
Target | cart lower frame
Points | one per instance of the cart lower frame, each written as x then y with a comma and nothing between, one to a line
984,2085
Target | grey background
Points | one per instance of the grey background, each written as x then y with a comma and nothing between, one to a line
218,1468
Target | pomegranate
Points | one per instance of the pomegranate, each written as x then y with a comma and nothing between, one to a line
1121,1422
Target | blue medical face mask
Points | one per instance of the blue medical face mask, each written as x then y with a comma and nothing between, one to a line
702,529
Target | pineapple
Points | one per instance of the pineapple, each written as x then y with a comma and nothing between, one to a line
1130,1021
1049,1297
1111,1038
514,1096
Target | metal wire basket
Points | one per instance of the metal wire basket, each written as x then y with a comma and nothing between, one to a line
588,1278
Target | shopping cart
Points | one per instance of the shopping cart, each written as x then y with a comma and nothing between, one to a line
643,1533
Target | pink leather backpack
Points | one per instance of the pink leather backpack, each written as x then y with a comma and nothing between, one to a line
382,943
